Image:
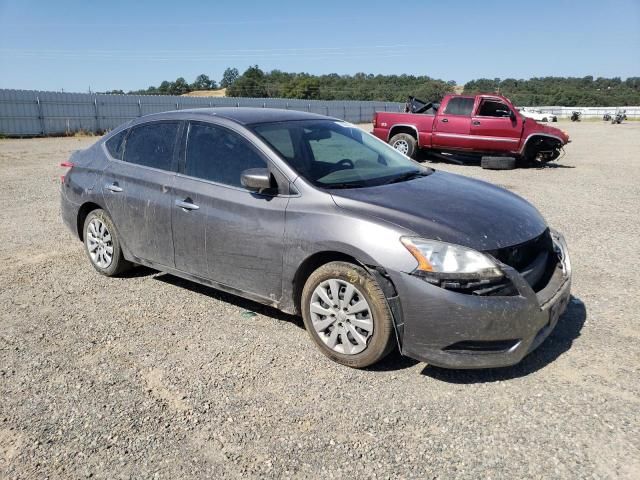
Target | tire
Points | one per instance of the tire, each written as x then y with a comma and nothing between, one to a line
378,337
545,119
498,163
100,233
404,143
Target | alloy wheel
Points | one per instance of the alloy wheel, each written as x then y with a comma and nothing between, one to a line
402,146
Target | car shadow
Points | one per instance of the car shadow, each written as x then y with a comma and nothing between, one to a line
567,330
137,272
243,303
392,362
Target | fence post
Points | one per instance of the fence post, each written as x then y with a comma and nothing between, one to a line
95,104
139,108
177,106
360,117
41,117
308,107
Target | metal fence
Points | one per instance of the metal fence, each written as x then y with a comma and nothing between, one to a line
36,113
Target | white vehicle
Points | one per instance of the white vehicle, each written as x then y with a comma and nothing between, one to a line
538,115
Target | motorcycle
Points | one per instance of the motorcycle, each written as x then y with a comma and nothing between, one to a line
575,116
619,117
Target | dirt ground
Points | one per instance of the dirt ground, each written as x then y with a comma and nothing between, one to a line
151,376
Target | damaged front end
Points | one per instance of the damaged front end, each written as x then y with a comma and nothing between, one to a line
488,321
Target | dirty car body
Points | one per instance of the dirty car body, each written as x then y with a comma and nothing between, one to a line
263,244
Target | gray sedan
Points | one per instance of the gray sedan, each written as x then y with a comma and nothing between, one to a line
313,216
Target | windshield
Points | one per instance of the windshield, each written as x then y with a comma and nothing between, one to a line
333,154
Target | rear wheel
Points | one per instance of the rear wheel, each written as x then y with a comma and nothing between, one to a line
404,143
346,314
102,244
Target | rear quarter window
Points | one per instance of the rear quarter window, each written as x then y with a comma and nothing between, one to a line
115,145
460,106
152,145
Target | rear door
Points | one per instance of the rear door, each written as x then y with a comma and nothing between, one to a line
452,127
137,190
222,231
494,127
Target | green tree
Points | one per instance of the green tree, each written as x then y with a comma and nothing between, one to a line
229,76
203,82
252,83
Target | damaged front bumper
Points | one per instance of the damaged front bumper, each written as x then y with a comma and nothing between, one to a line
459,330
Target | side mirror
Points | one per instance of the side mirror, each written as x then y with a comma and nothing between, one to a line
512,115
256,179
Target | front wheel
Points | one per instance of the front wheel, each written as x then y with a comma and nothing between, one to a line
404,143
346,314
102,244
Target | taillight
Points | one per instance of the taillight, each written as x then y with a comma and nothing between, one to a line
68,166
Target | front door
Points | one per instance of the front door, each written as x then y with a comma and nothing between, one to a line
222,231
137,191
495,128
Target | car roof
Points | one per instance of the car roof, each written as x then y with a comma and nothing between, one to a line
241,115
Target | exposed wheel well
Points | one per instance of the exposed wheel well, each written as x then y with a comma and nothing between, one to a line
540,142
85,209
403,129
310,265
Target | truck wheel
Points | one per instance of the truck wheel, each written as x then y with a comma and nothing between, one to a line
498,163
404,143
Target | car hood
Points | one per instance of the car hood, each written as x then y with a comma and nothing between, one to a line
451,208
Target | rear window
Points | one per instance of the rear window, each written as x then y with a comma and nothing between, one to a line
115,145
152,145
460,106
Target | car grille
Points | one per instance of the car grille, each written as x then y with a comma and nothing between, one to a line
535,259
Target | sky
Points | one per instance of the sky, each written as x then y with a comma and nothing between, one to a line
81,45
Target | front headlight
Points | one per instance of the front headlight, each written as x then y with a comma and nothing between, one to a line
445,260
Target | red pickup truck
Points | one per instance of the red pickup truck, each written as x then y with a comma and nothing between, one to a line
486,125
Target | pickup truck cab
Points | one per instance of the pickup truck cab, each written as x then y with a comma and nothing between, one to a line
482,125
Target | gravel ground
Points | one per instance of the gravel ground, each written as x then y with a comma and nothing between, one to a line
151,376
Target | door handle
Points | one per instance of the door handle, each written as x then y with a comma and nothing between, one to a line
113,187
445,120
186,204
476,122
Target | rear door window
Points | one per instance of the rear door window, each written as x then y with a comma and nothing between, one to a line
115,145
152,145
219,155
460,106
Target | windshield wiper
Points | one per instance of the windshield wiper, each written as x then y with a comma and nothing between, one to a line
409,176
344,185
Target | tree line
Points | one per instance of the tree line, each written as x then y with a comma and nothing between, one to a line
563,91
254,82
